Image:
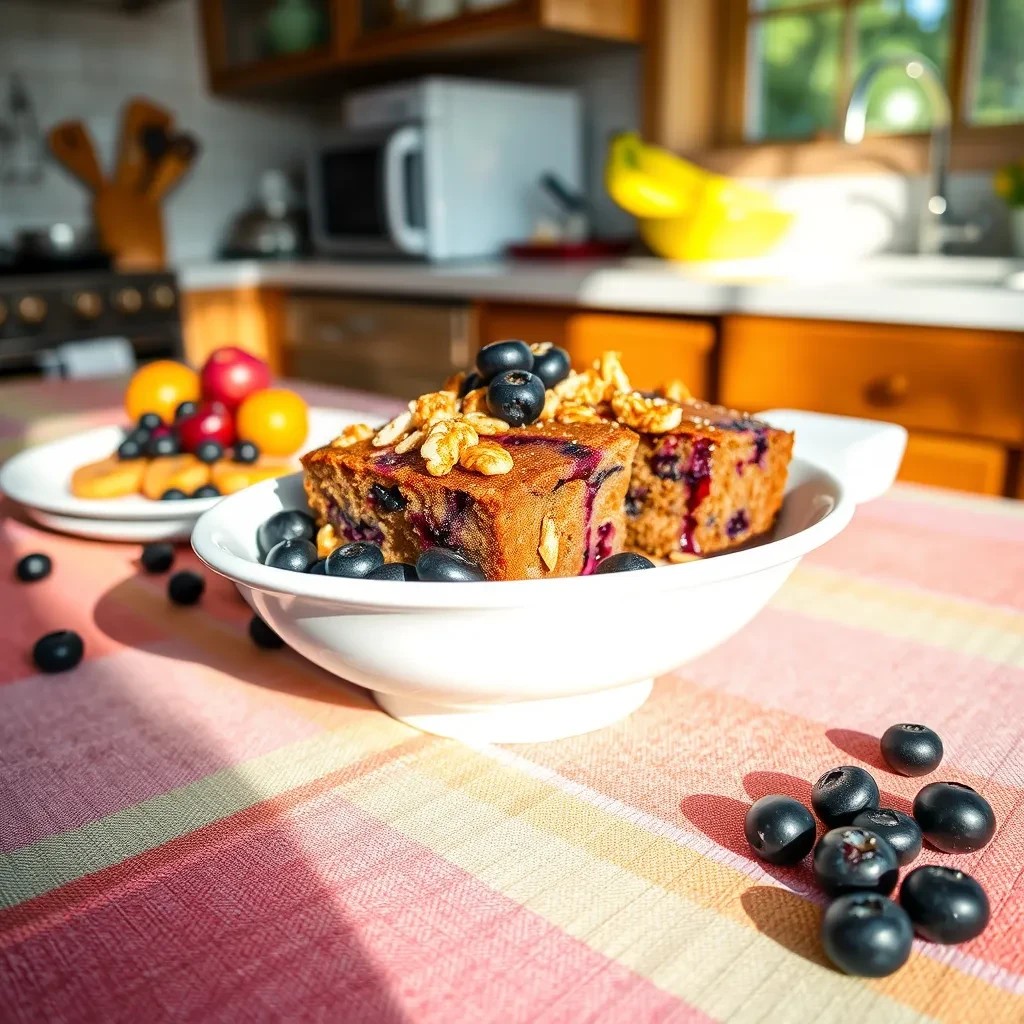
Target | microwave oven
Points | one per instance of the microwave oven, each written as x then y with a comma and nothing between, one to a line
441,168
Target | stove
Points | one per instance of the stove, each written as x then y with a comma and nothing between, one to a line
50,312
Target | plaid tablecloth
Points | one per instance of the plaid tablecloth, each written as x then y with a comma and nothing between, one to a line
192,829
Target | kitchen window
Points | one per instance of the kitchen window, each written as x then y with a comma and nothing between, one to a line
801,57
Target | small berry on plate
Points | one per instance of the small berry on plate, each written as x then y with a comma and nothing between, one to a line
842,793
852,859
173,494
439,565
288,524
245,452
36,566
295,555
911,749
396,572
354,561
946,905
58,651
953,817
502,356
150,421
866,935
130,448
210,451
206,491
262,635
899,830
780,829
551,365
162,443
318,568
625,561
157,557
516,396
186,587
184,410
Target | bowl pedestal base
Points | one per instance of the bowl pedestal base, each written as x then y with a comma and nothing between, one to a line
523,722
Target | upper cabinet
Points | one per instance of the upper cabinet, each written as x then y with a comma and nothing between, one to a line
261,45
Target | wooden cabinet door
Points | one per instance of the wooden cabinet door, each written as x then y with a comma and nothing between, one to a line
962,465
654,348
250,318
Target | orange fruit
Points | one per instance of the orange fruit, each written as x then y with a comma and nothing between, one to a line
275,420
160,387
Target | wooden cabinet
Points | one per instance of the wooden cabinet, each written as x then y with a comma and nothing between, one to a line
248,317
960,464
654,348
255,46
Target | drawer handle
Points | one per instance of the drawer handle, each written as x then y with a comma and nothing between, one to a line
887,391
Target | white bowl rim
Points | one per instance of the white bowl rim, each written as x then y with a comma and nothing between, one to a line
412,597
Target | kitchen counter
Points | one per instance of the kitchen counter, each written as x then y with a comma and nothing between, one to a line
944,291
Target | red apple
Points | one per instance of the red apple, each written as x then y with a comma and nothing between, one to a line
212,421
231,374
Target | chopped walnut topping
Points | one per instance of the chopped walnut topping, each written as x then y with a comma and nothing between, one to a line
648,415
576,412
454,382
352,434
551,403
444,445
486,426
410,441
475,401
432,408
587,388
393,430
676,391
548,547
538,348
326,541
610,368
487,458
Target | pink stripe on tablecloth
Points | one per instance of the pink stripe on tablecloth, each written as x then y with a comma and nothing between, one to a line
320,913
981,521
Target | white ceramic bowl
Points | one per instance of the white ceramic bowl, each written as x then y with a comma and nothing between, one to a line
534,659
39,479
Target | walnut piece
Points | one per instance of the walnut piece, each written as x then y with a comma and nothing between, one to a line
475,401
487,458
454,382
609,366
576,412
548,547
393,430
434,407
326,541
551,403
444,445
648,415
587,388
486,426
676,391
409,442
352,434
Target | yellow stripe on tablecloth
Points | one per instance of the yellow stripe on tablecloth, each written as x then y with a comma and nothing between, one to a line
659,908
57,860
968,627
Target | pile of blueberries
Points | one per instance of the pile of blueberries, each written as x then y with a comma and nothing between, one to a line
857,861
152,438
516,379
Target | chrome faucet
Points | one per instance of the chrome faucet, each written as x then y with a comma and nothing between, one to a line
935,228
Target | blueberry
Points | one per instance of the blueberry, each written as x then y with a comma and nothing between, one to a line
354,561
210,451
842,793
626,561
262,635
186,587
162,445
295,554
150,421
866,935
59,651
157,557
33,567
206,491
439,565
945,905
288,524
852,859
185,409
516,396
899,830
387,499
502,356
318,568
953,817
911,749
551,365
130,448
140,435
780,829
396,572
173,494
470,382
246,451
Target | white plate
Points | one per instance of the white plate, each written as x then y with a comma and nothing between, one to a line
39,479
538,659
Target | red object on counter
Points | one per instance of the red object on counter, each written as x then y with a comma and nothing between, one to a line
595,250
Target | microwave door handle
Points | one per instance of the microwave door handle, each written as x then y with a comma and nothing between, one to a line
401,145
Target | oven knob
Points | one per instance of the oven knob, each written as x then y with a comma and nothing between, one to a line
87,305
128,300
31,309
162,296
3,312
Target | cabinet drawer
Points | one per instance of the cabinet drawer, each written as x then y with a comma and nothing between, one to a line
654,349
978,466
959,381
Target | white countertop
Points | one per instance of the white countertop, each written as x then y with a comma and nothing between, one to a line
935,291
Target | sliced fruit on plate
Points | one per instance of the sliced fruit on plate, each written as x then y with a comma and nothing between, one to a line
229,476
108,478
177,473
